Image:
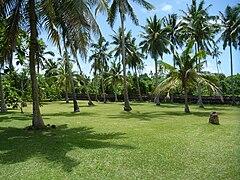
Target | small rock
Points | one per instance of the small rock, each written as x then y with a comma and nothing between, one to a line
213,119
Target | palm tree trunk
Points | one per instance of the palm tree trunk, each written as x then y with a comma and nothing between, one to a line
232,83
156,99
37,121
75,104
138,86
200,102
66,94
127,106
103,89
3,105
116,96
186,109
90,103
217,66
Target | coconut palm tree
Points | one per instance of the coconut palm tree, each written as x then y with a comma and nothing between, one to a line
115,78
155,42
62,75
198,25
2,30
74,13
123,8
100,57
134,60
40,53
174,33
90,103
215,54
133,56
229,36
186,74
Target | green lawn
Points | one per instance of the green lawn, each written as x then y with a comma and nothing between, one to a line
104,142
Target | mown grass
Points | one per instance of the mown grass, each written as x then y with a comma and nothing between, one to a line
104,142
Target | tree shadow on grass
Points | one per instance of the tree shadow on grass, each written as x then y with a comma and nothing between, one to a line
15,116
18,145
160,114
70,114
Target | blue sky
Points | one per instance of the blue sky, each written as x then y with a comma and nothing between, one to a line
163,8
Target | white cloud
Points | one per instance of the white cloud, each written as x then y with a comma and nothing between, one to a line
167,8
180,1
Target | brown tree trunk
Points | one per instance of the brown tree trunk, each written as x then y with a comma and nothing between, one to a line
75,104
156,99
127,106
3,104
138,86
103,89
37,121
200,102
232,83
66,95
186,109
90,103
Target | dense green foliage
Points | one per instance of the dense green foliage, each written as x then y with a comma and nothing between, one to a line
17,86
101,142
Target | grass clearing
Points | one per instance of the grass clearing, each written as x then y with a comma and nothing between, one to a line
104,142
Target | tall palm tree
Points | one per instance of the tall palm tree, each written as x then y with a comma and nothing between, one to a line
2,31
115,77
90,103
123,8
133,56
198,26
40,53
100,57
155,41
134,60
236,26
62,75
186,74
174,33
74,13
229,37
215,54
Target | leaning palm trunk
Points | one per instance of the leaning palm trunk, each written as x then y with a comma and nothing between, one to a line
127,106
138,86
156,99
75,104
3,105
232,84
90,103
37,121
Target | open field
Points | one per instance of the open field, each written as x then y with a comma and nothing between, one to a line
104,142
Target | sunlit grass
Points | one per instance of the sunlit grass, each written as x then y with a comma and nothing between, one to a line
104,142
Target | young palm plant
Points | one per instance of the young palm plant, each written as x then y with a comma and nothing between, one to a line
186,74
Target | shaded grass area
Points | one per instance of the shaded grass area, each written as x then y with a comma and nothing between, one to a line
104,142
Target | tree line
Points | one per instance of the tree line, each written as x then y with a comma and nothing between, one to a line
70,25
